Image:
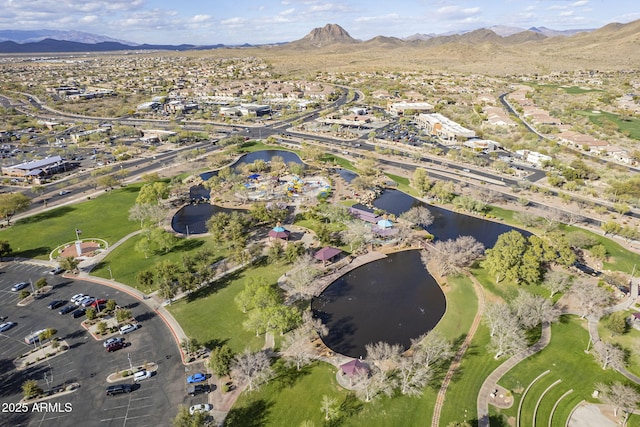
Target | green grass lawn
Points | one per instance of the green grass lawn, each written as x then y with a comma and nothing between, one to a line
125,262
290,398
211,316
562,357
630,126
105,217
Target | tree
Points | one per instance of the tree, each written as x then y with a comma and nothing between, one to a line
418,215
40,283
617,323
412,375
431,349
145,278
91,313
329,407
532,310
107,181
297,349
621,397
30,389
110,305
101,328
5,248
69,263
591,298
504,259
162,239
556,281
508,339
609,354
186,419
370,385
420,181
496,315
147,212
12,204
302,276
451,256
152,193
254,369
383,355
220,360
123,314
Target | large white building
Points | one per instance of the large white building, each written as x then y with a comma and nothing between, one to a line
399,108
448,131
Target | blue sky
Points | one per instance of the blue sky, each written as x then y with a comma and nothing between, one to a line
268,21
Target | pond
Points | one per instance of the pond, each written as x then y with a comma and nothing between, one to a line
446,224
392,300
195,215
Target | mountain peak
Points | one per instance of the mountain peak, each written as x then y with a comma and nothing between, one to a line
327,35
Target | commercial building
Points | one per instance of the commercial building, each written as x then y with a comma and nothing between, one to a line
399,108
36,168
448,131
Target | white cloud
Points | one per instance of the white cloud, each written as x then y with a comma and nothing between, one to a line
201,18
384,18
579,3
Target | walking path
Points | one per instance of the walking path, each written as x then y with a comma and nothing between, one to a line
440,399
491,381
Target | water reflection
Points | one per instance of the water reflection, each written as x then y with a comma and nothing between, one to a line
392,300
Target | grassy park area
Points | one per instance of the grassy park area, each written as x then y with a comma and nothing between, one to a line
104,217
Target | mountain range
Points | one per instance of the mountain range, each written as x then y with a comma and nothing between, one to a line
497,49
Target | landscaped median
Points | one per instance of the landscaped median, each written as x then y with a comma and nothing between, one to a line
127,374
41,354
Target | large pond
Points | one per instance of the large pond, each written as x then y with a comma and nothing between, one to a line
392,300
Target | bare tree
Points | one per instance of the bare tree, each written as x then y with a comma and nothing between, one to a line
297,348
313,326
431,348
356,235
591,298
526,218
384,355
556,281
370,385
507,336
253,369
533,310
302,276
451,256
412,375
418,215
609,354
495,315
621,397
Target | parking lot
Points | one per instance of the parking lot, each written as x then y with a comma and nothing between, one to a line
154,401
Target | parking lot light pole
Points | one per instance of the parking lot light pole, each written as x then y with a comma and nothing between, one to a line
110,273
130,364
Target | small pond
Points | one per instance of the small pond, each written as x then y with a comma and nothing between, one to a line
392,300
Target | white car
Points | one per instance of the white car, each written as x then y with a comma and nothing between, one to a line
112,340
141,375
86,298
128,328
78,297
6,326
200,407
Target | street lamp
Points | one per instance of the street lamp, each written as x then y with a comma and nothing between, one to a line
110,273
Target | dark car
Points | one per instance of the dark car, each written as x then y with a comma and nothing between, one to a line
197,389
116,346
586,269
113,390
79,313
67,309
56,303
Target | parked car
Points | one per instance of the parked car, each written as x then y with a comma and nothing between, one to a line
19,286
196,378
141,375
6,326
88,302
113,390
115,346
79,313
78,297
56,270
66,309
128,328
200,407
112,340
83,300
63,192
98,302
197,389
56,303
